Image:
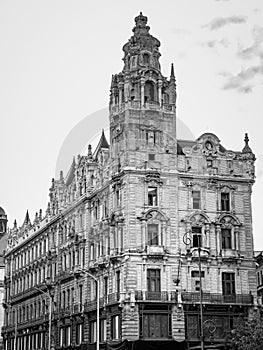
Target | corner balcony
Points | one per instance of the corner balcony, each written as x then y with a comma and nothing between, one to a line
163,296
213,298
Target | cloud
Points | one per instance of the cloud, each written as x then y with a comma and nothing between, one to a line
216,43
243,82
223,21
180,31
256,49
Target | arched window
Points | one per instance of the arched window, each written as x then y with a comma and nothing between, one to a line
146,59
149,92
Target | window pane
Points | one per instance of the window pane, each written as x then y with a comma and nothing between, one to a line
196,199
226,239
153,234
152,196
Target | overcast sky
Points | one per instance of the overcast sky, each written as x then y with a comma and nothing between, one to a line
56,62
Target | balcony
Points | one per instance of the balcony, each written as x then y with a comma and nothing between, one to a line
153,105
213,298
163,296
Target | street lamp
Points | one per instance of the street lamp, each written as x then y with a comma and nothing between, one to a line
187,241
50,296
84,271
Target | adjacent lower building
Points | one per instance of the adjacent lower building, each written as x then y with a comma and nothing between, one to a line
164,225
3,244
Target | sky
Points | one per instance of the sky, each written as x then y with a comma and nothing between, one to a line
57,59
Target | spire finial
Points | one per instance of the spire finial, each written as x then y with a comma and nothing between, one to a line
246,149
89,152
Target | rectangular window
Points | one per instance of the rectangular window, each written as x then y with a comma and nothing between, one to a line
197,237
115,327
93,331
152,234
151,156
225,202
228,283
153,280
118,282
196,199
152,196
195,274
117,197
209,163
92,251
156,325
226,238
79,334
105,286
103,330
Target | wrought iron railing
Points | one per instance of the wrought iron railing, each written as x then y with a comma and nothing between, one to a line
194,297
163,296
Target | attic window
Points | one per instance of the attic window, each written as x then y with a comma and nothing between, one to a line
209,163
151,156
146,59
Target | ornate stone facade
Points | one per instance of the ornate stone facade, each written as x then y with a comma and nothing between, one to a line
136,213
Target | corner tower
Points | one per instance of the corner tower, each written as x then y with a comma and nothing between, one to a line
142,106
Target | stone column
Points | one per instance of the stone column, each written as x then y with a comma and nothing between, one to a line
120,86
207,234
218,239
236,234
160,83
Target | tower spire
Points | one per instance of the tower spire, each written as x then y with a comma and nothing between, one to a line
172,75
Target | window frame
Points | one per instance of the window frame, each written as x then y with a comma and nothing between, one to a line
153,235
225,202
152,196
226,238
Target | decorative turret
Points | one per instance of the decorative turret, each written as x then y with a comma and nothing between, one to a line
142,50
3,222
142,103
246,148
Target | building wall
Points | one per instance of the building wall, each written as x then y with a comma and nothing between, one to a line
123,215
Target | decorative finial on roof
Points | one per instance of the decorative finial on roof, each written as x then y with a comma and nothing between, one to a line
246,149
27,219
61,175
40,214
15,224
172,76
140,24
89,152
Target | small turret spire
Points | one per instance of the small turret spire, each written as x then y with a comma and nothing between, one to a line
246,149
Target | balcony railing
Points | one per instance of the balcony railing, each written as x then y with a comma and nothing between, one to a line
163,296
211,298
